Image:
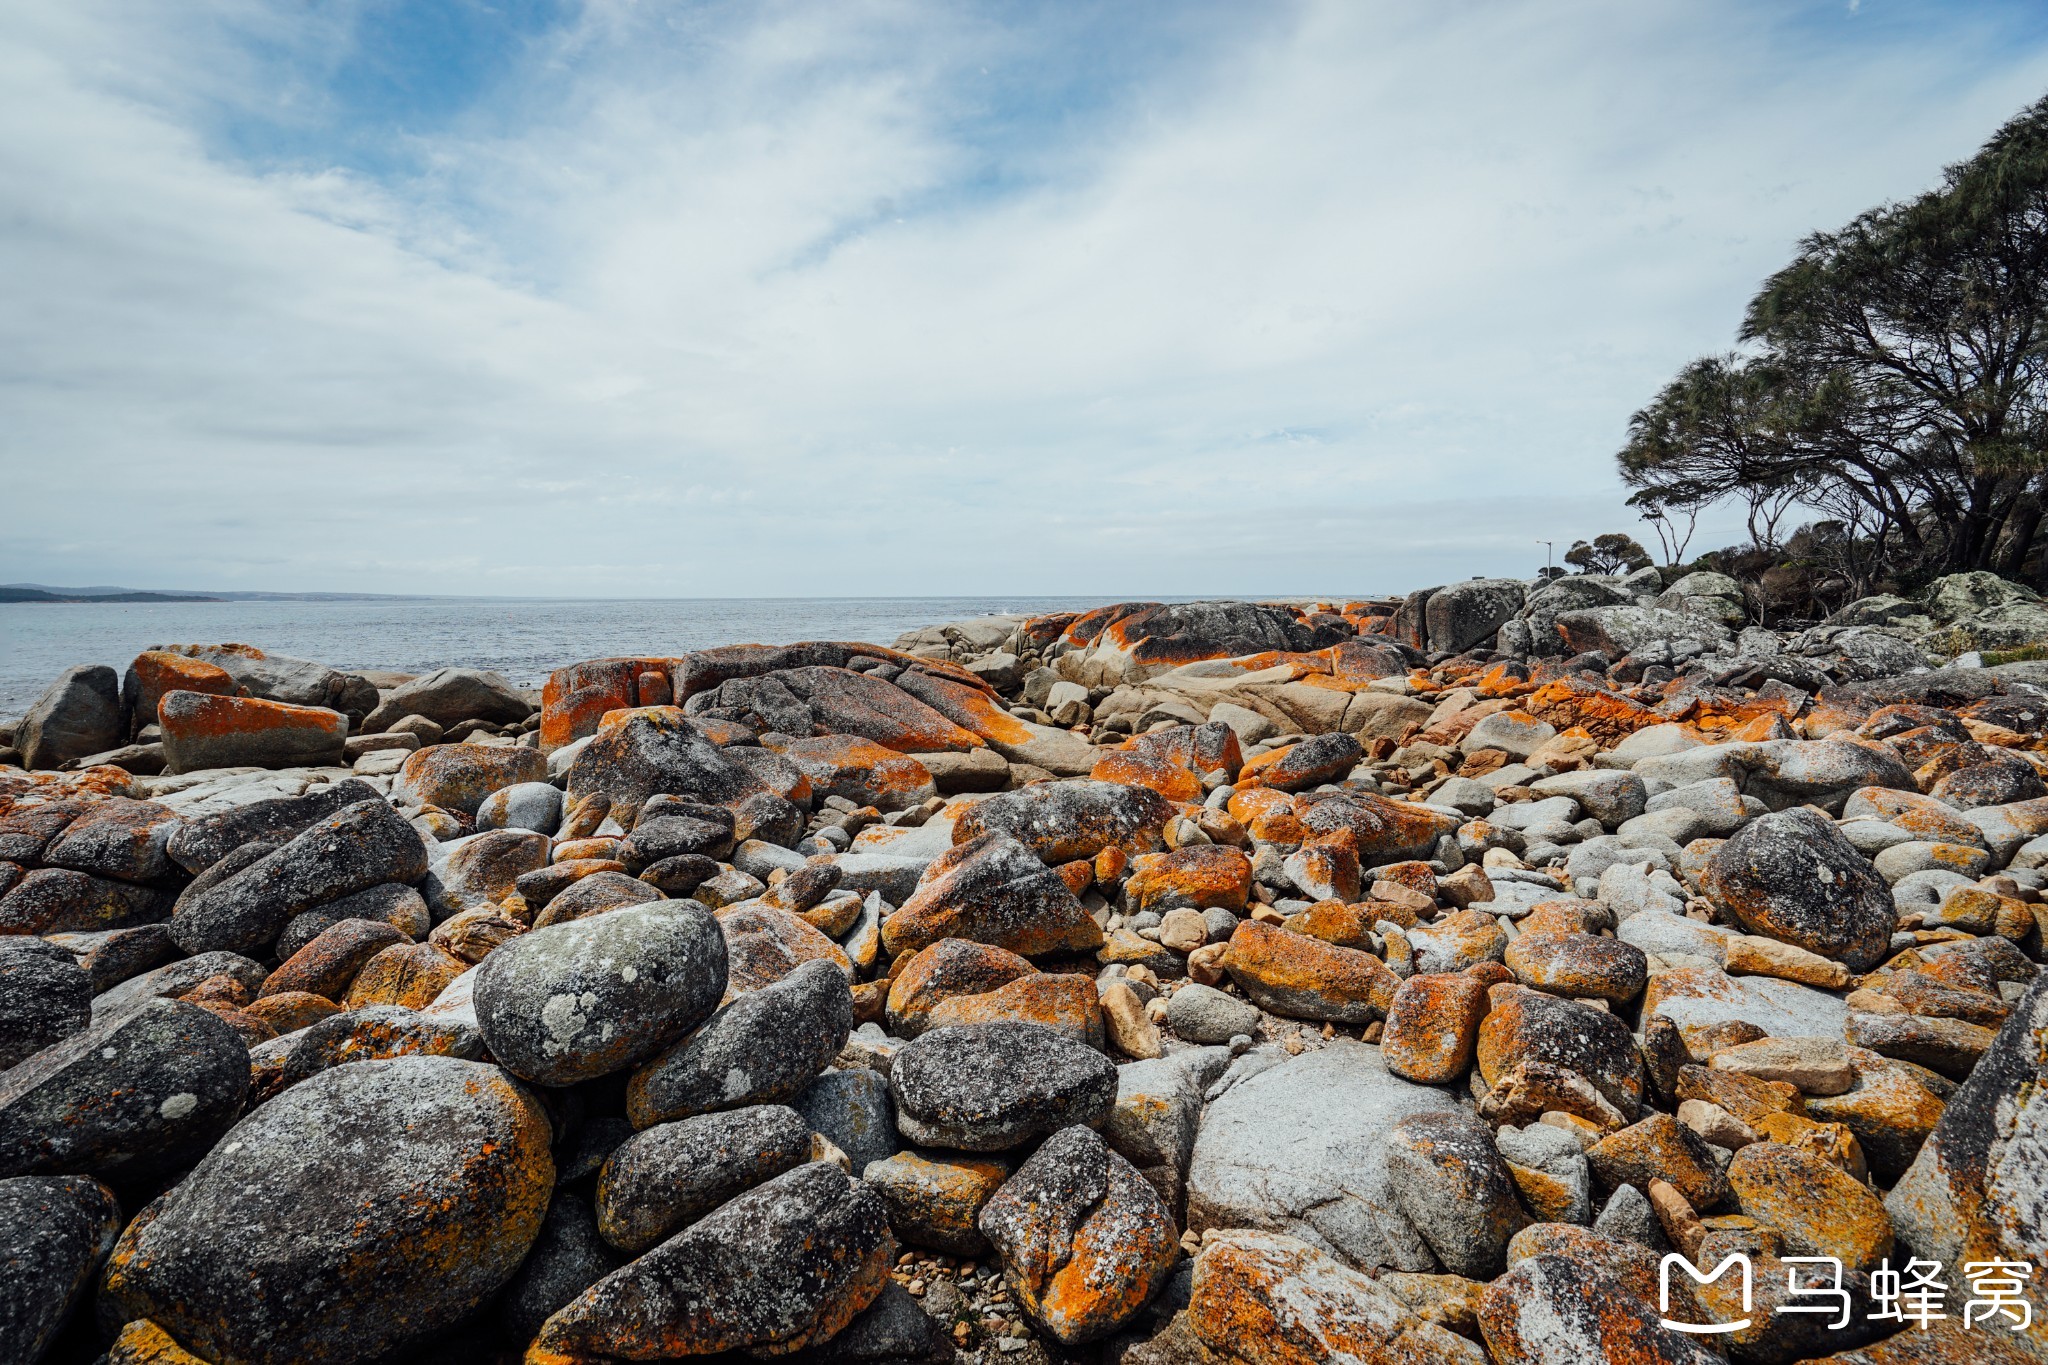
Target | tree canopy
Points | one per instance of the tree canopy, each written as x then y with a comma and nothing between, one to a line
1893,378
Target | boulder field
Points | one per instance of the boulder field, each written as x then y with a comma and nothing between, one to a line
1215,983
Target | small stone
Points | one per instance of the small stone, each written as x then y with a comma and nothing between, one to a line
1201,1014
935,1198
1816,1066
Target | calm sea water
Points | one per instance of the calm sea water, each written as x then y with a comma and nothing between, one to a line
523,639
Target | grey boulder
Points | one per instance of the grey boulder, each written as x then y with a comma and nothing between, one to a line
139,1092
765,1047
580,1000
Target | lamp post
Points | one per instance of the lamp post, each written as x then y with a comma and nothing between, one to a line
1549,556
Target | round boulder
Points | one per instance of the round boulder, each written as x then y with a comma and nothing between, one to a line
575,1001
357,1212
991,1087
1792,876
762,1048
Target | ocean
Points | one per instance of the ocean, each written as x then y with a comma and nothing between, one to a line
525,639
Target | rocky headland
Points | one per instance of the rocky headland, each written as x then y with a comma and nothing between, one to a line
1223,983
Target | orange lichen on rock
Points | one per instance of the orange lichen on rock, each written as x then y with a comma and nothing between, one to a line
408,974
1608,718
1433,1027
1306,978
862,771
201,730
1064,1002
1200,876
156,672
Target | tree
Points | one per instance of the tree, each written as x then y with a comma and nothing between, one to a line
1894,377
1663,508
1611,553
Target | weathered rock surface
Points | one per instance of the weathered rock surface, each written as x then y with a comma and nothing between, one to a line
1276,1152
142,1090
785,1265
364,845
993,1087
414,1187
580,1000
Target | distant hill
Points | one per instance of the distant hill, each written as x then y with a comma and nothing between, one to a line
11,593
45,592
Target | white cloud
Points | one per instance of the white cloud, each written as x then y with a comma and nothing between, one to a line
1345,299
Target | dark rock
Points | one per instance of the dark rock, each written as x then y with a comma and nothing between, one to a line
1062,821
200,843
788,1264
77,715
762,1048
448,696
178,977
677,877
1452,1184
25,833
1312,762
356,1213
992,889
770,818
580,1000
392,903
1084,1240
852,1109
674,1173
1791,875
141,1091
671,836
361,846
1464,615
56,900
567,1258
991,1087
112,956
54,1232
599,893
118,838
895,1330
45,997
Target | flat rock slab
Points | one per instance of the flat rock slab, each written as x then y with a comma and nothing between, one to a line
1290,1150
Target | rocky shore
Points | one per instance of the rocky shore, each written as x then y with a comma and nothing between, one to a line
1218,983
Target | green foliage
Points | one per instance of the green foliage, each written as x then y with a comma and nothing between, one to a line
1610,553
1894,379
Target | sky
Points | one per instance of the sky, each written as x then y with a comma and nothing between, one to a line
886,297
